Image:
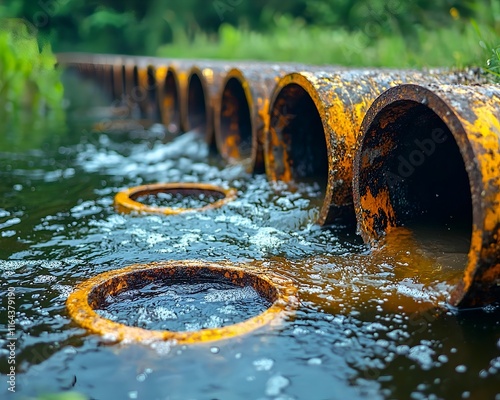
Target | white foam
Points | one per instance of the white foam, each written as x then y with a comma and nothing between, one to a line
276,384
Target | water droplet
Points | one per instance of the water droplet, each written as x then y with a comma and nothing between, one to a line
461,368
214,350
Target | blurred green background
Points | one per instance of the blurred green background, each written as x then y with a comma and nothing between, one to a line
391,33
402,33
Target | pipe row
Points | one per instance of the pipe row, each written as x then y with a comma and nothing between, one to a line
389,148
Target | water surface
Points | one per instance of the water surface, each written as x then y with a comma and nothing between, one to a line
369,325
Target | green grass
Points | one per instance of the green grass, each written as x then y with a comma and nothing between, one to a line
457,45
31,92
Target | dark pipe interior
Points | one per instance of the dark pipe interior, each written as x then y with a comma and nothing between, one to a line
124,80
303,134
153,110
118,84
196,107
114,92
235,117
424,171
171,99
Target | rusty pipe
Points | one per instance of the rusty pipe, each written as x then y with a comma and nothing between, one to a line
150,75
204,81
315,117
172,96
432,157
241,115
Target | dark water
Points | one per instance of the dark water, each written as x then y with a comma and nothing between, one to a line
368,326
184,306
177,200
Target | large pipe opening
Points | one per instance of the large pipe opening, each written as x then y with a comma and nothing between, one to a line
235,132
170,108
411,155
197,107
297,146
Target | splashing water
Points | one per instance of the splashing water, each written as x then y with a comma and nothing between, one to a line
367,321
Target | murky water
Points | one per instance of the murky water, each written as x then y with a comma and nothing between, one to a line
368,326
184,306
178,200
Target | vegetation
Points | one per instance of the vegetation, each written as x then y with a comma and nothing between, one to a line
448,46
394,33
350,32
31,92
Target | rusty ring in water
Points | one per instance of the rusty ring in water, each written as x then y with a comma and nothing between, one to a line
90,294
125,200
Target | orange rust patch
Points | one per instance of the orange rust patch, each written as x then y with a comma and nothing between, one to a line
374,207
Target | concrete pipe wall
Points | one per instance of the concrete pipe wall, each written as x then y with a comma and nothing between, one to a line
431,157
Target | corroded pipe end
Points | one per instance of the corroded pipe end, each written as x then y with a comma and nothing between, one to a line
170,100
296,146
431,158
90,294
233,119
199,113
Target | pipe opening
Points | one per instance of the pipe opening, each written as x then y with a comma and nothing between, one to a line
121,304
197,108
297,143
410,154
171,110
173,198
196,297
235,122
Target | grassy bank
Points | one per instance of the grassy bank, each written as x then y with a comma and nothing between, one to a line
457,45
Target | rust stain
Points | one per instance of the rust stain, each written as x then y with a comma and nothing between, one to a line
473,116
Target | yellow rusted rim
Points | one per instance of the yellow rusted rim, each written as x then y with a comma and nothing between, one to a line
125,200
88,295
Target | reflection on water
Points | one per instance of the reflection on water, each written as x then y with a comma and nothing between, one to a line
370,325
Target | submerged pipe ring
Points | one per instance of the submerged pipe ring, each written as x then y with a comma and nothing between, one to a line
88,295
125,200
